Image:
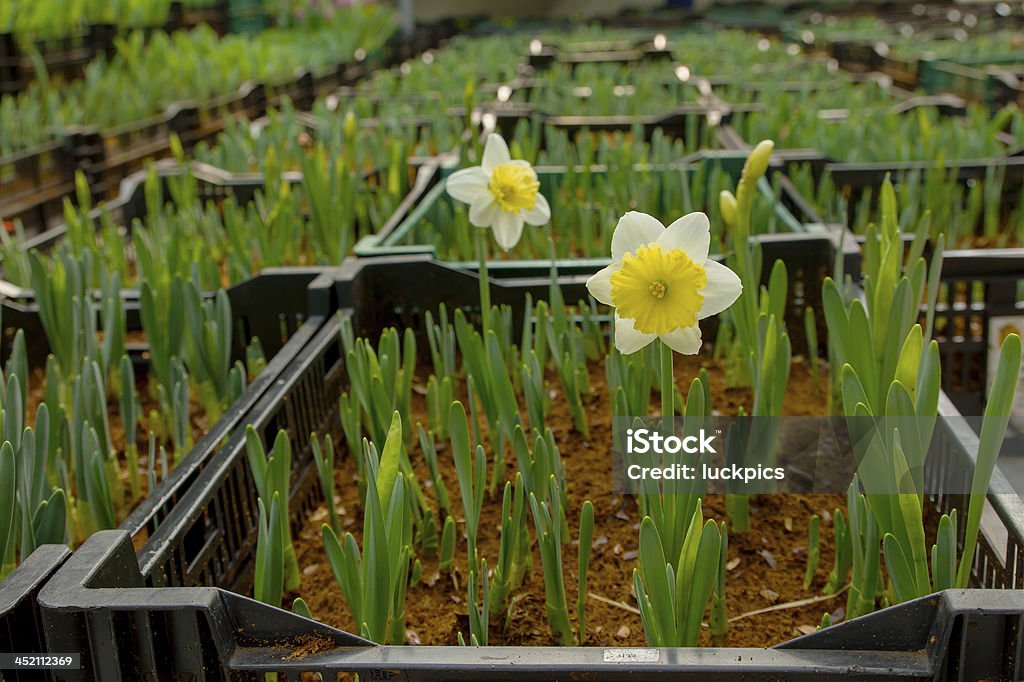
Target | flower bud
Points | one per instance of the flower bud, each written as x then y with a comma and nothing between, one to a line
727,205
757,163
350,126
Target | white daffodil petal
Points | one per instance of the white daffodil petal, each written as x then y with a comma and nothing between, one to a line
634,230
540,214
684,340
495,153
627,339
468,184
600,283
721,291
508,228
691,233
484,211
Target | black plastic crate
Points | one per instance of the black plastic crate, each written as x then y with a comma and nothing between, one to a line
33,184
327,81
21,623
106,157
65,57
747,95
982,286
688,120
902,71
10,64
378,293
213,185
854,55
946,104
249,101
543,57
132,619
274,307
188,18
213,634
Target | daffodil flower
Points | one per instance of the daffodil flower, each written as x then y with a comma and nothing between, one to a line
661,282
503,193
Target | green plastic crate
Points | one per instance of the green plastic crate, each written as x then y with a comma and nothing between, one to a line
982,79
247,16
416,233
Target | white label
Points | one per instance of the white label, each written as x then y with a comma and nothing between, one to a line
632,655
998,328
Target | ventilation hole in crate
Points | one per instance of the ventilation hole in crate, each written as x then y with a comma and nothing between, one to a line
976,379
957,372
954,293
194,540
976,327
979,293
159,640
798,292
961,327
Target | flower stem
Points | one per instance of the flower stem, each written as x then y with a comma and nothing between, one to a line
484,279
554,260
555,290
668,389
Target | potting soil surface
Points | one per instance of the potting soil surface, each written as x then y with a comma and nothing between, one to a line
198,420
765,568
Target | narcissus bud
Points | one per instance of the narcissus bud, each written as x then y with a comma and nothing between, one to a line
350,126
757,163
727,205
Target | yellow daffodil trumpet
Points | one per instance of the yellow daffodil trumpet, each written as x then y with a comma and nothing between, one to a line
662,283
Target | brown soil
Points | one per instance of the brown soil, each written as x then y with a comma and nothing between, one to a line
198,419
1003,240
766,565
308,645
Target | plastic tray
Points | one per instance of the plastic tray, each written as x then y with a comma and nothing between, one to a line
33,184
21,623
398,236
105,605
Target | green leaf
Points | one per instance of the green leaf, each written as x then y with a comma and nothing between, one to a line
447,554
376,575
586,540
993,429
944,554
910,360
658,588
300,608
390,461
899,569
272,559
257,460
702,581
7,500
50,519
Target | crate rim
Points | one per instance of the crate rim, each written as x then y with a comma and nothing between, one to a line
806,657
132,186
383,242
